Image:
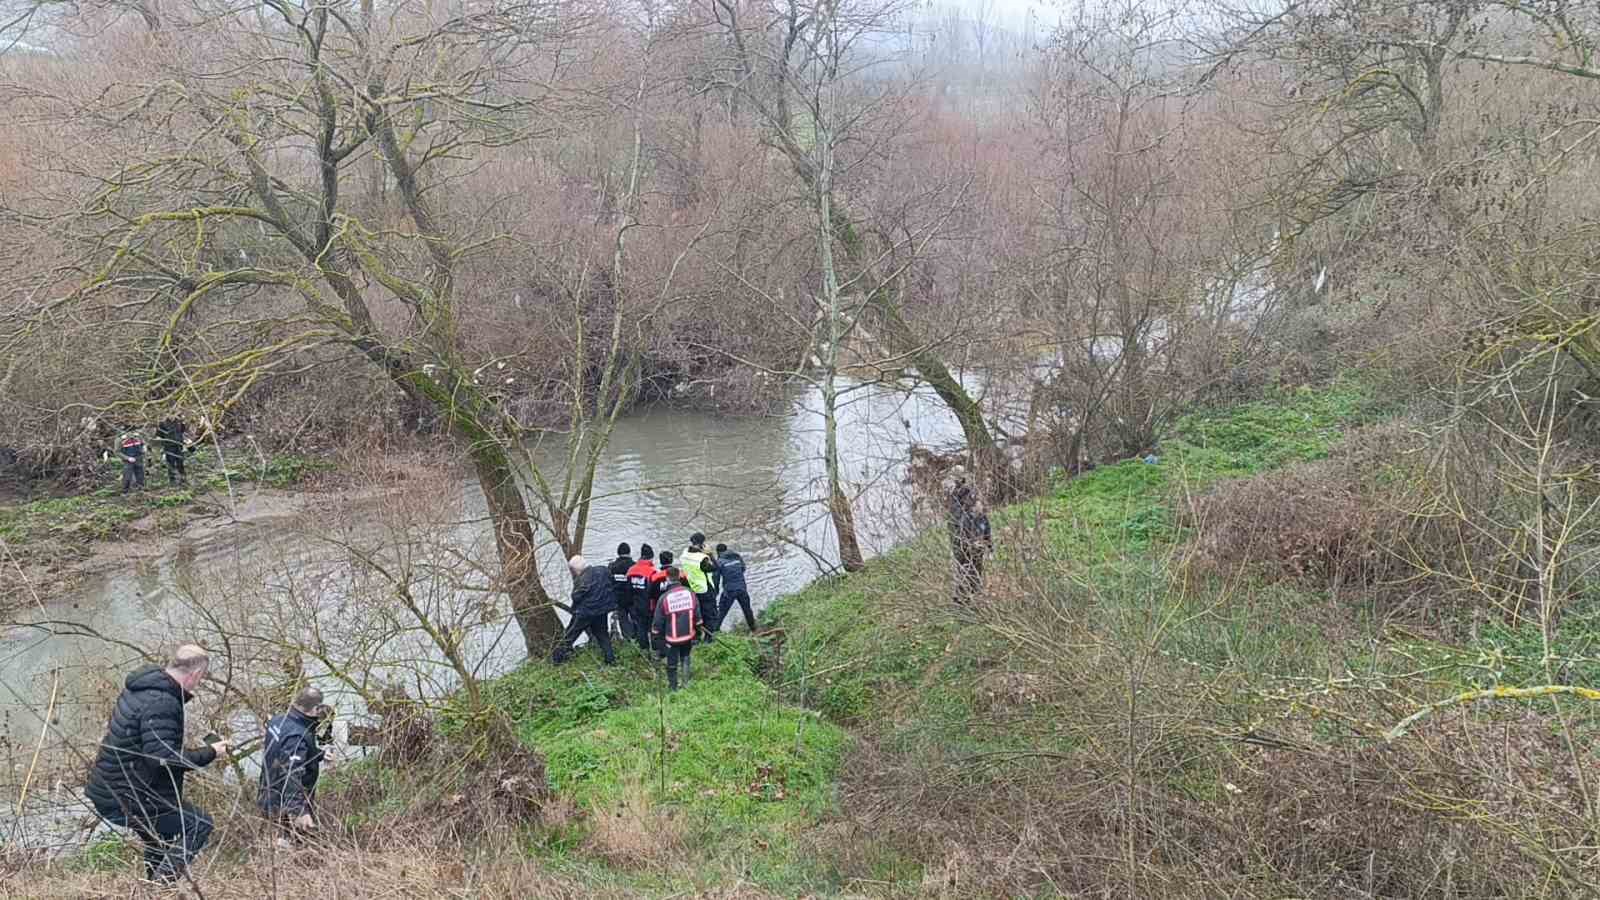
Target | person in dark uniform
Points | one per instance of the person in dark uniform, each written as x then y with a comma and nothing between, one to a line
730,572
970,539
131,451
641,593
619,588
291,761
675,626
169,437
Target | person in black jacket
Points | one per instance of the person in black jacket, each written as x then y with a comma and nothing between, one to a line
970,539
619,588
137,778
169,437
730,568
291,761
592,601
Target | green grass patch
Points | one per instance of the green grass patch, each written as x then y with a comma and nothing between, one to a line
103,511
748,772
107,853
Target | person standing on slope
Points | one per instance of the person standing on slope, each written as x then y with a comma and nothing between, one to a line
697,565
730,569
640,593
970,539
137,778
291,762
592,603
619,588
675,626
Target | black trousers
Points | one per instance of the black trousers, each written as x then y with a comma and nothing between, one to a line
641,624
597,629
172,838
175,472
708,612
132,474
741,597
678,654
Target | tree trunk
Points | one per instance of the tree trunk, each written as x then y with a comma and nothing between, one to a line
844,519
987,461
519,564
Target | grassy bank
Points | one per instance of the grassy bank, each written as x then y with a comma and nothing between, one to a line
1134,707
722,775
59,528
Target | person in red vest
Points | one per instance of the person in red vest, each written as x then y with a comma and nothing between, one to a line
131,450
677,616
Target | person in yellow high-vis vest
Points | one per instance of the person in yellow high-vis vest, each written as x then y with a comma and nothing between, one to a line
697,566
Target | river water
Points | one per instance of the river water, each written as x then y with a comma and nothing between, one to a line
752,482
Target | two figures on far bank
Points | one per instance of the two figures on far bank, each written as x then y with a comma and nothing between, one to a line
970,538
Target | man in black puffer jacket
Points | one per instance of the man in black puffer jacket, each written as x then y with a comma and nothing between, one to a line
137,779
592,602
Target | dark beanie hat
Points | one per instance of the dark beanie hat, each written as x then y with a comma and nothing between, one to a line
646,551
665,557
722,548
623,549
697,539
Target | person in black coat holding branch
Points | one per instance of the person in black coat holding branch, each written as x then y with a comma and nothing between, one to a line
137,778
593,599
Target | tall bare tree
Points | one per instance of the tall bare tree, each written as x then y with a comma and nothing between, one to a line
216,233
768,50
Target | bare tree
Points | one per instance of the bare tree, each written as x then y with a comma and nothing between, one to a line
221,234
767,49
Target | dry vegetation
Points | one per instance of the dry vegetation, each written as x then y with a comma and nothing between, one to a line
1330,266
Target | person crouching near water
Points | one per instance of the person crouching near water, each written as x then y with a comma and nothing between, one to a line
677,616
137,778
291,762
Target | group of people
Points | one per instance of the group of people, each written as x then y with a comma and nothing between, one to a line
661,602
175,448
137,778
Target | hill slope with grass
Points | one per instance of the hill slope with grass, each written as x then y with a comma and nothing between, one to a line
1230,670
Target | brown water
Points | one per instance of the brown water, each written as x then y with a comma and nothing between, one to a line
750,482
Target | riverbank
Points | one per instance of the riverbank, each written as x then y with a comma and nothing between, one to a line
51,542
1118,714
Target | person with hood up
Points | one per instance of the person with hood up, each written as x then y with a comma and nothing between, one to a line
730,566
641,593
619,588
137,778
592,603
